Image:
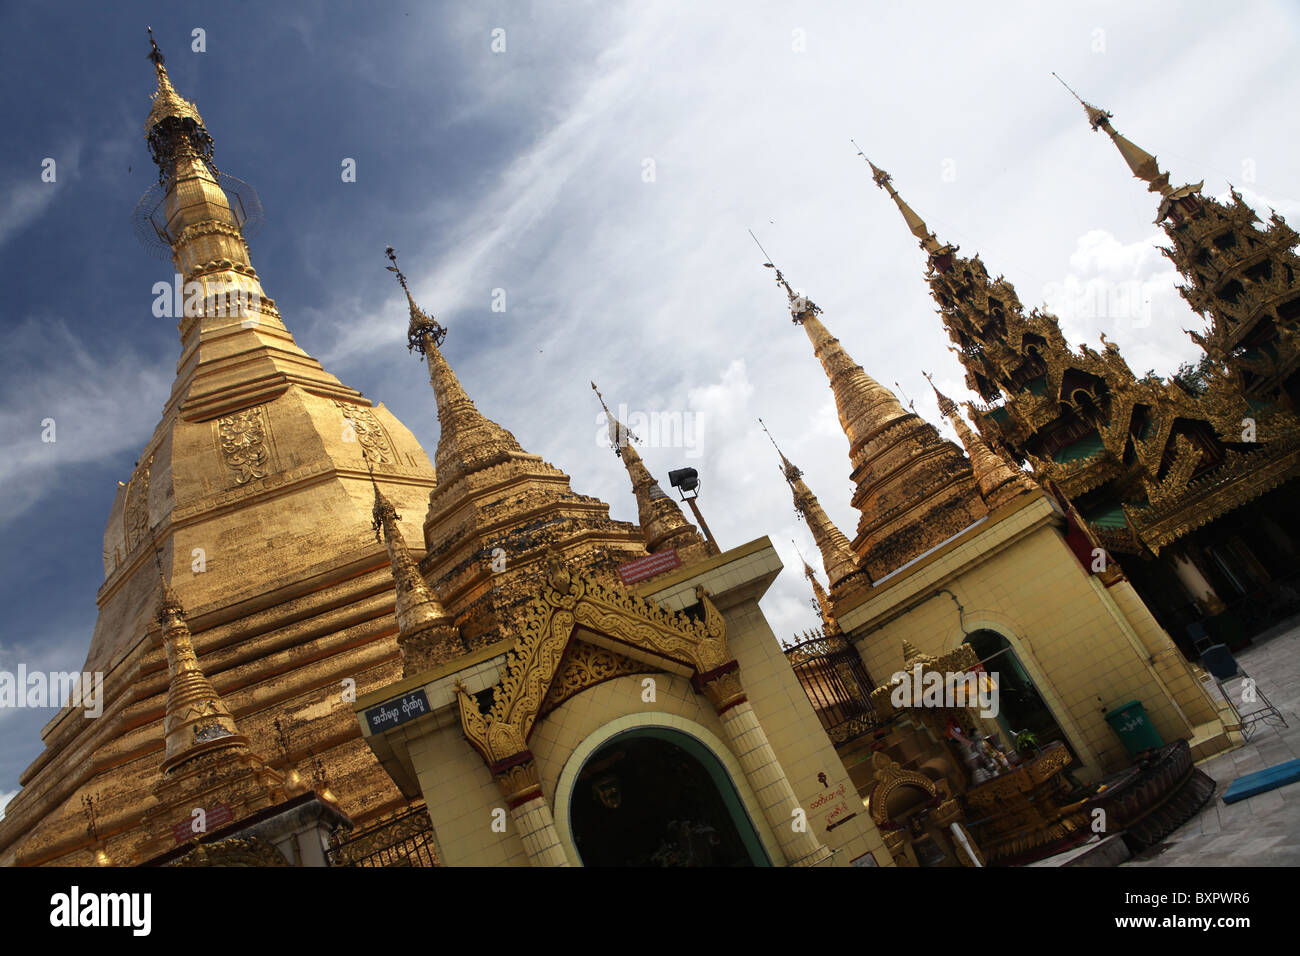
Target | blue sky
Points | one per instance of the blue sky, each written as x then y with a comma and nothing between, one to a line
525,170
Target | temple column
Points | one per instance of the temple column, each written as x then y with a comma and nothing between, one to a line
1195,583
517,778
748,740
1164,656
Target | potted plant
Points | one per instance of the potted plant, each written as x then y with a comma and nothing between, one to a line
1026,744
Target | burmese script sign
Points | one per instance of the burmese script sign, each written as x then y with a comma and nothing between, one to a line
397,711
833,804
648,567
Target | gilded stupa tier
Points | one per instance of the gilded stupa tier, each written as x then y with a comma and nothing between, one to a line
255,493
914,489
663,525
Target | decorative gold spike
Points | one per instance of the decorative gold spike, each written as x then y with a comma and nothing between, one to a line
915,224
837,557
426,635
662,522
1142,163
998,481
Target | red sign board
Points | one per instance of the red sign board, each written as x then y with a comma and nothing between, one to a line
648,567
217,816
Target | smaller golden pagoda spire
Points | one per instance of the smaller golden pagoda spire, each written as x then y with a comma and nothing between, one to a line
425,632
197,720
915,224
662,522
1142,163
468,441
821,600
841,566
998,481
863,404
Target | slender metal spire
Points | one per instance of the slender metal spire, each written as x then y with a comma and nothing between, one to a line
915,224
1142,163
837,557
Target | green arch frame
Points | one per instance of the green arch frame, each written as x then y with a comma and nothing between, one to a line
722,782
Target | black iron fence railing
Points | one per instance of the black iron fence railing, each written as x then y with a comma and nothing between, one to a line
405,839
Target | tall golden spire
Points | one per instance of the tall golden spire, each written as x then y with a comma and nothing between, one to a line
864,405
998,481
838,560
426,634
1142,163
246,355
469,441
197,720
915,224
662,521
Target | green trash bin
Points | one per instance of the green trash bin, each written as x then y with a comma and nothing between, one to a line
1134,728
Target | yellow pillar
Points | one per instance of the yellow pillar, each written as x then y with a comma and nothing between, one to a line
788,820
531,813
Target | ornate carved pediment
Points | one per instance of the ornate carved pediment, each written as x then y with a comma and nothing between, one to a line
586,665
571,601
891,777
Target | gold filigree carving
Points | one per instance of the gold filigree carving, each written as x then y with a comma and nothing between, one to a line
366,430
136,513
242,436
586,665
570,601
520,782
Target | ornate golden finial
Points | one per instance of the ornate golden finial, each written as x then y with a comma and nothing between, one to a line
155,54
947,407
620,436
424,328
187,131
1142,163
1097,117
801,307
837,558
915,224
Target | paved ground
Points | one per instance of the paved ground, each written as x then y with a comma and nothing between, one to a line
1263,830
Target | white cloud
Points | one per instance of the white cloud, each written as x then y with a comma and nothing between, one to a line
5,797
98,401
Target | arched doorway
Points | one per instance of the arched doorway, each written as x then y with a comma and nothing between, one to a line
657,797
1020,705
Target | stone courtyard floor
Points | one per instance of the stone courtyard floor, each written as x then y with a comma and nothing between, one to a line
1263,830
